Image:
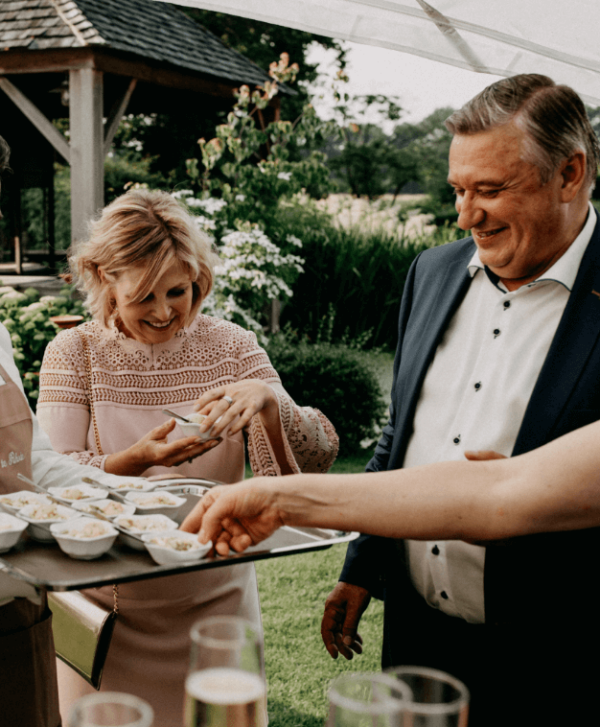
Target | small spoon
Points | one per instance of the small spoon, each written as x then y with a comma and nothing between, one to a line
39,488
177,416
90,481
97,513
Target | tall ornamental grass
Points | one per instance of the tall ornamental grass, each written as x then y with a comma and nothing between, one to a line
353,282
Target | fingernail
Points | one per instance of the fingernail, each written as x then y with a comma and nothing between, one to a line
348,640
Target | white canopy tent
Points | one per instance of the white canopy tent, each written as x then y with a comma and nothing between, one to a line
502,38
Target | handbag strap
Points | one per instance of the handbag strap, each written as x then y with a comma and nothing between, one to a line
88,370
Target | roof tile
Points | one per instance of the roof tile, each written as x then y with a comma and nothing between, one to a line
153,30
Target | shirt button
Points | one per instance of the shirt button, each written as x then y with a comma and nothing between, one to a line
444,595
456,440
435,550
478,386
496,332
507,303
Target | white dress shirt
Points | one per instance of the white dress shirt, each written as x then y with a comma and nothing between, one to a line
474,397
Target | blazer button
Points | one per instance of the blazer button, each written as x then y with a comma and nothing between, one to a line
435,550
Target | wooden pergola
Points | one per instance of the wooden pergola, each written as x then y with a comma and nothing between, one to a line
92,61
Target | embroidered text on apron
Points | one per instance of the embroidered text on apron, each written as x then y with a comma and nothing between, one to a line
28,691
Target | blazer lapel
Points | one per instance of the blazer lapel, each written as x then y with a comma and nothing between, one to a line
576,335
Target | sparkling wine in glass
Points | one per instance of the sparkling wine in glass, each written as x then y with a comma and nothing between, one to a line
225,686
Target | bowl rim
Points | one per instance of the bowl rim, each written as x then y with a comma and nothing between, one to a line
136,531
18,524
141,506
55,530
48,521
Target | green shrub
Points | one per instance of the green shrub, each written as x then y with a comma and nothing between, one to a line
27,319
359,276
335,379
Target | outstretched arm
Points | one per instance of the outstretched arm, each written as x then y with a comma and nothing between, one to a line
554,488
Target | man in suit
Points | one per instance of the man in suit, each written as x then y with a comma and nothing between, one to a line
499,350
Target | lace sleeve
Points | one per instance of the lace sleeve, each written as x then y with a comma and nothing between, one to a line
63,409
310,440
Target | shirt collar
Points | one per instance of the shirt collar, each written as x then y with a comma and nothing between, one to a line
564,270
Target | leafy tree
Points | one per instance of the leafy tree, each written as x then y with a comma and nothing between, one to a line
261,42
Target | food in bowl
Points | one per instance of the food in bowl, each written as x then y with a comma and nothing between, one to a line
77,493
129,486
41,515
143,523
156,503
84,539
46,511
88,530
175,547
109,508
16,500
140,524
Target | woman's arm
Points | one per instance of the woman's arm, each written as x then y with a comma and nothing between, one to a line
554,488
64,414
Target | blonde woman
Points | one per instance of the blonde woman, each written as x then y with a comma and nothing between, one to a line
145,272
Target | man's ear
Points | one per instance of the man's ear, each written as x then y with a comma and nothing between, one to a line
573,173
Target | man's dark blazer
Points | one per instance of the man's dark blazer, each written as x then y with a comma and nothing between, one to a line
545,583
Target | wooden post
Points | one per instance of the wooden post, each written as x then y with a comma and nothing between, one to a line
87,148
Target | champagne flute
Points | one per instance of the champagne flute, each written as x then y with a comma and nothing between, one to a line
367,700
225,686
111,709
439,700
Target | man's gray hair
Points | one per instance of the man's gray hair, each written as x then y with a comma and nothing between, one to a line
552,116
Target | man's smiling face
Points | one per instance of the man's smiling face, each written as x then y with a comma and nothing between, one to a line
520,226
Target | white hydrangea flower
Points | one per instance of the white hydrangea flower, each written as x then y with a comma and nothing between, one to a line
180,193
286,176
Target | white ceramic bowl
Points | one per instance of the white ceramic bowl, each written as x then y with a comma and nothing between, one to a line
14,501
192,429
160,547
141,525
156,503
39,526
73,541
77,493
109,507
11,529
136,485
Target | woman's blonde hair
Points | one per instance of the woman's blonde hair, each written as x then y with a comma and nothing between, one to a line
145,229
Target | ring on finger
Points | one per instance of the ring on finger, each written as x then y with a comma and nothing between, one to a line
228,399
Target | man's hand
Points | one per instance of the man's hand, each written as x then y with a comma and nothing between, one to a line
343,608
235,516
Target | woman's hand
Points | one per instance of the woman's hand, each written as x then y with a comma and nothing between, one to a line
249,397
235,516
153,449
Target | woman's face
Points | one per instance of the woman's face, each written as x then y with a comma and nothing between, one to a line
163,312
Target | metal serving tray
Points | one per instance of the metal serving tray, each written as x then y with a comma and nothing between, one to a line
46,565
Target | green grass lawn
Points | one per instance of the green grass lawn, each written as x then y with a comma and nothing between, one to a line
293,590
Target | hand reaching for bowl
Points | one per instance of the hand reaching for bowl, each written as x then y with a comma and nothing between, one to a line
153,449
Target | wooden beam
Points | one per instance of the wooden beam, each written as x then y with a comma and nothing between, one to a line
51,60
86,89
116,114
37,118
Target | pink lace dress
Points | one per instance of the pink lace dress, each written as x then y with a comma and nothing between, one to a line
132,383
